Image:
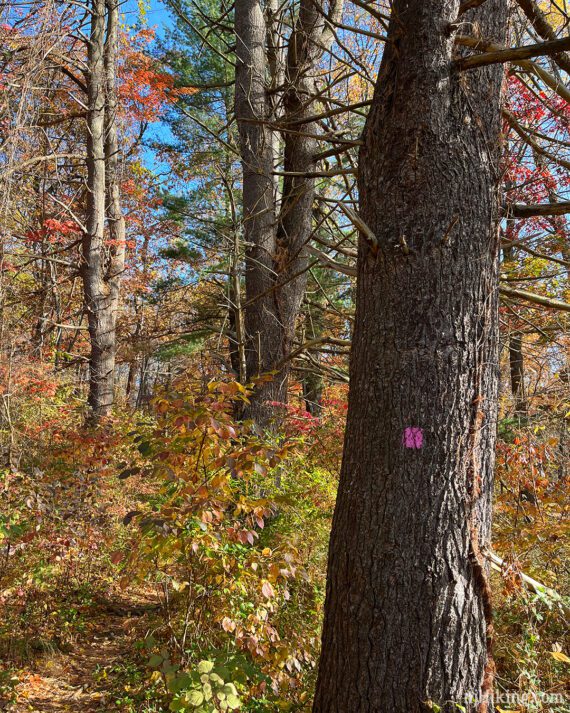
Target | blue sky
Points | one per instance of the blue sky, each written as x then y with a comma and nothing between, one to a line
155,15
154,11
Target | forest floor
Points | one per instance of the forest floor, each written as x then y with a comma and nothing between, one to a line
95,673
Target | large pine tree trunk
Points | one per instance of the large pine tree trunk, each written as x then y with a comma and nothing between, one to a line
407,616
262,325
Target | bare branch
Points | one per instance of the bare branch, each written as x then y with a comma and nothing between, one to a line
531,142
535,253
360,31
38,159
317,174
319,341
513,54
527,64
544,29
376,14
550,302
519,210
327,261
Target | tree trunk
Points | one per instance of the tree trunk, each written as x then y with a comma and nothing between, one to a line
313,393
276,257
312,380
137,360
100,398
102,264
252,110
116,220
516,363
516,357
311,36
407,614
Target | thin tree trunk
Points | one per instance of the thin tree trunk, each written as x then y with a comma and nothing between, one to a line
312,379
131,378
235,319
516,364
407,614
102,264
145,385
100,398
516,359
313,392
116,220
136,364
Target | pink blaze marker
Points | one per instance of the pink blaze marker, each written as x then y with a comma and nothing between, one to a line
413,437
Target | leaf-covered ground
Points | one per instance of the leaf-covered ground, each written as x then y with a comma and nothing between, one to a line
98,673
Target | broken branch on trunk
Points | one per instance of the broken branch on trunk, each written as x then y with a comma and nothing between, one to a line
469,5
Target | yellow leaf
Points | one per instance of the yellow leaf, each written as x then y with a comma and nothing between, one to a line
504,710
559,656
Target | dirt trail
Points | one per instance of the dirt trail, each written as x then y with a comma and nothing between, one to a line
76,681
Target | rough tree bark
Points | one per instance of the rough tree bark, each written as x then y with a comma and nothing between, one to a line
100,396
276,257
252,113
102,264
407,614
